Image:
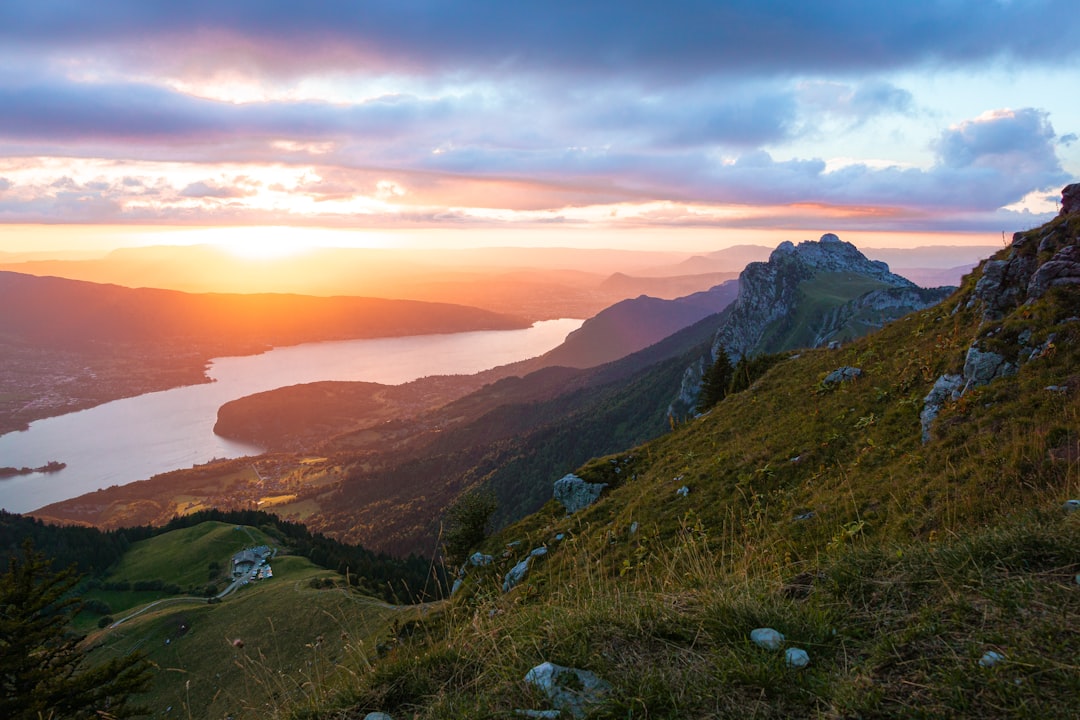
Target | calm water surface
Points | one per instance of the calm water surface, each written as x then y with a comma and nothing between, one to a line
135,438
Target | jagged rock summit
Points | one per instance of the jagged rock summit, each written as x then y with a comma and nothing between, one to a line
770,291
807,295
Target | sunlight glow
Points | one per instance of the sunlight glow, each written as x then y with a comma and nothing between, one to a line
259,243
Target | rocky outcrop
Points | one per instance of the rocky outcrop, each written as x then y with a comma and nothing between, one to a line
946,388
576,494
872,310
762,318
1062,269
769,291
1035,262
519,571
982,367
1003,285
1070,199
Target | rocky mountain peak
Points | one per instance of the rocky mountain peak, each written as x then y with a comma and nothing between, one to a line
845,295
831,254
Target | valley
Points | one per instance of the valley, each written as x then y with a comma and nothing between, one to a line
392,458
829,506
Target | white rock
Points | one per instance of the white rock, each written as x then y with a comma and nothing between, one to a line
991,658
683,491
538,552
377,716
767,638
796,658
477,559
1071,505
569,689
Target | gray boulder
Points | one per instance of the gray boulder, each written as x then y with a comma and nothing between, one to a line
982,367
516,574
576,494
842,374
569,689
519,571
946,388
478,559
796,658
1062,269
767,638
1070,199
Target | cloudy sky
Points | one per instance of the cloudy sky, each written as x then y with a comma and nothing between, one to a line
552,118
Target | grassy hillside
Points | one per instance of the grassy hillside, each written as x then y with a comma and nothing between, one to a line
298,642
818,510
817,297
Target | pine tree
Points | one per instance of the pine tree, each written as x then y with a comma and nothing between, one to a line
715,381
41,669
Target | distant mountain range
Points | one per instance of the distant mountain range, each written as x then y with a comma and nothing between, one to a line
66,344
404,458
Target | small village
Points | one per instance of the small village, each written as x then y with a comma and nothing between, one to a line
253,564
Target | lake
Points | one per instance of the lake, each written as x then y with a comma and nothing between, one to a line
134,438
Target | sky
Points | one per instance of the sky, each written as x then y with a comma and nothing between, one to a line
670,125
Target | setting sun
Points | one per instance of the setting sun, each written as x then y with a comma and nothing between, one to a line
260,243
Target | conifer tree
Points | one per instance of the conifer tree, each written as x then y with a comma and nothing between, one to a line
715,381
41,670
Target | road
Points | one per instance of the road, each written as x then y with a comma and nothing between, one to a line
232,587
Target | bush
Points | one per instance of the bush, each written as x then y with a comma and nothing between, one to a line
466,525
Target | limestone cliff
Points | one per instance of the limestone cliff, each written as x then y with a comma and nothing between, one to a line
808,295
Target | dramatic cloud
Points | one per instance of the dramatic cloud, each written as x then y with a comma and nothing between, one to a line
677,39
430,112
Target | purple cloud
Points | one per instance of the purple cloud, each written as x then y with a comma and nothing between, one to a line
687,39
211,190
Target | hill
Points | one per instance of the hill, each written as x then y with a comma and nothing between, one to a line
632,325
909,523
75,344
272,642
389,473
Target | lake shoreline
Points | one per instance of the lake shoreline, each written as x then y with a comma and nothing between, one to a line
136,438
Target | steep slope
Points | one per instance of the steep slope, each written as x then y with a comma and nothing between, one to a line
632,325
301,416
508,437
924,574
807,295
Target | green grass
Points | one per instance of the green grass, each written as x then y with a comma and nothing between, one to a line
299,645
819,296
180,557
815,510
183,556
